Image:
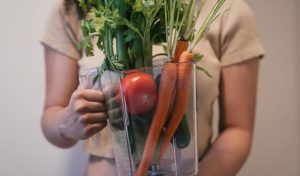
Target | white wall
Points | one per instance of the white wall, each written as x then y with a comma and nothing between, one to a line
24,151
276,149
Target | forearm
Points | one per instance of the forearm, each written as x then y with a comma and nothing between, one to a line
228,153
53,118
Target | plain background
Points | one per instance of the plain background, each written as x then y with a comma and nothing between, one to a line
24,151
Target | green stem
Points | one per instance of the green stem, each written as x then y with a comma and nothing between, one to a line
106,43
122,7
121,47
138,55
110,43
147,48
212,16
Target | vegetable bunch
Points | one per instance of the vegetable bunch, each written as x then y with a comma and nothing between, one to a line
134,26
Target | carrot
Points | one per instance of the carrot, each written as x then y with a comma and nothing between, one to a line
181,99
181,45
165,95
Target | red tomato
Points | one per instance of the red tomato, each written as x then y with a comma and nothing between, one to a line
140,92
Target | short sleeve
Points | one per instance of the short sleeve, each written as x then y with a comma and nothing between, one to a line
61,32
239,38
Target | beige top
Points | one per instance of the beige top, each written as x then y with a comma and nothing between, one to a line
232,39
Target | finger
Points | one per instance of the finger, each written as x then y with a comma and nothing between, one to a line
94,107
90,130
94,95
116,89
115,117
89,94
114,102
99,117
111,91
115,112
84,106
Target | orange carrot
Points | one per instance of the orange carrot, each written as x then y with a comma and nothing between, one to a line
165,95
181,100
182,45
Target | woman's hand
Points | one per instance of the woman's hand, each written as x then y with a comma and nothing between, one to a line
72,113
85,115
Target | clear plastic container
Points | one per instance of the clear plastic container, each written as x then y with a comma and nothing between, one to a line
130,129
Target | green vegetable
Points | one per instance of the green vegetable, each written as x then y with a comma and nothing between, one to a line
182,135
213,15
130,22
138,129
137,25
133,27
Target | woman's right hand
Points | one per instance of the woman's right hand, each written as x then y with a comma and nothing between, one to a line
85,115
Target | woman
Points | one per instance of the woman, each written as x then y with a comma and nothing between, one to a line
232,51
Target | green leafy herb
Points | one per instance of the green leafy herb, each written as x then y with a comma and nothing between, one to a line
134,26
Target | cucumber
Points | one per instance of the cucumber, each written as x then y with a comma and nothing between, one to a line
182,135
137,132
